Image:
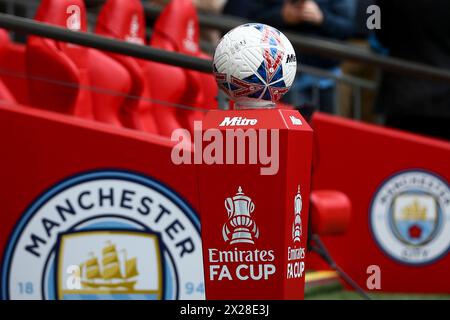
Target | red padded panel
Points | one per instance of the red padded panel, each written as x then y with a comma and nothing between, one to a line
4,41
5,95
330,212
41,148
356,158
59,69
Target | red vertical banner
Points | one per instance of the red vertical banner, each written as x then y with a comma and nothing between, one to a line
254,187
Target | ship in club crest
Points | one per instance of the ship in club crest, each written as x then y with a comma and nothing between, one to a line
240,227
297,225
92,276
415,218
111,264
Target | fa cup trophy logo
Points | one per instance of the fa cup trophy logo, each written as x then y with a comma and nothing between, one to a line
243,227
297,226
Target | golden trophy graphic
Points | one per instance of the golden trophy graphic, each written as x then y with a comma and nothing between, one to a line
111,267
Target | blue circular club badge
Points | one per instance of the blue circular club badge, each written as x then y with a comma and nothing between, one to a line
105,235
410,217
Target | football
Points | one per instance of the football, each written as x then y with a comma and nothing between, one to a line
255,65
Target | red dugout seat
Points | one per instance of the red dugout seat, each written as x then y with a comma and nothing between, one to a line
53,61
177,29
125,20
12,64
168,84
62,74
111,83
5,94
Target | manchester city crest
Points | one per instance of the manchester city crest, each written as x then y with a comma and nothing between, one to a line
415,218
105,235
111,265
410,217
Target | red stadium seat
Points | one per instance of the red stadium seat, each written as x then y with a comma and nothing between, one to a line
4,40
13,74
206,97
50,61
168,85
177,29
62,74
125,20
110,82
5,94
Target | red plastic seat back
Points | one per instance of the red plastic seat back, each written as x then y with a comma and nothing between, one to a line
209,86
111,82
5,94
178,26
177,29
70,14
125,20
58,69
13,69
4,41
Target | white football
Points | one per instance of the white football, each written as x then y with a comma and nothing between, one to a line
255,65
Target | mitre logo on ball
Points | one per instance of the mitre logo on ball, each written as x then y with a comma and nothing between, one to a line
240,227
255,65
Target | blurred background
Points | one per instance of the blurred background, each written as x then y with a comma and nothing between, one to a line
408,97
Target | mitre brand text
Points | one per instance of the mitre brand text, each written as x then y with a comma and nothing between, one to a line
238,121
